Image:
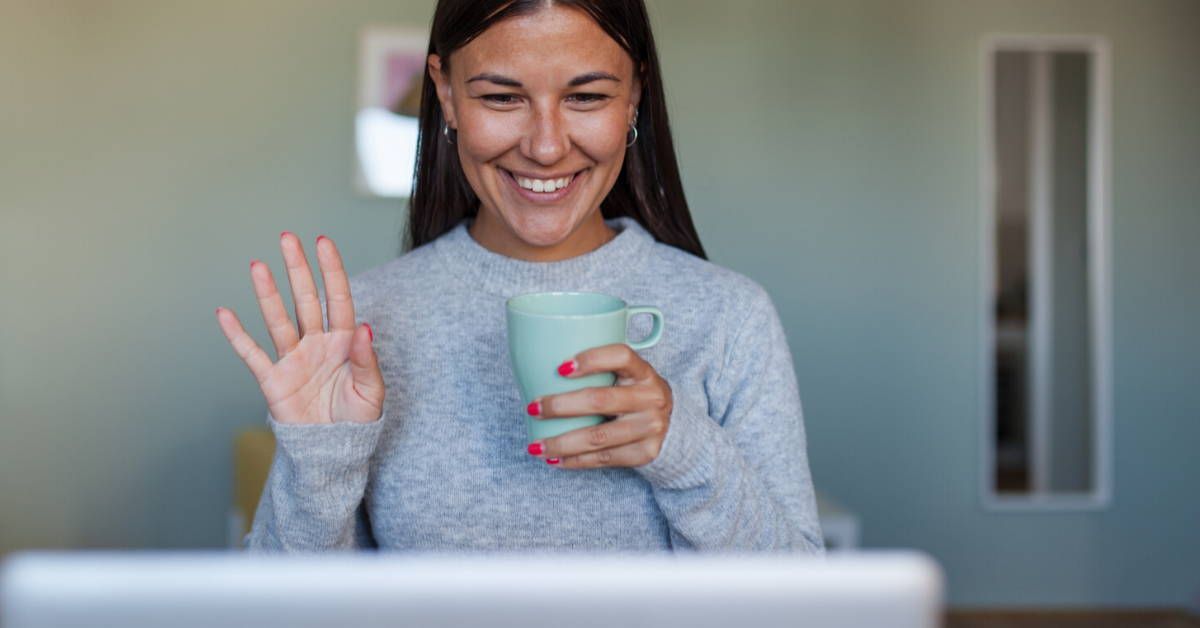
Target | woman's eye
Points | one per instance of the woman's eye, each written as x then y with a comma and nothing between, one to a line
501,99
588,98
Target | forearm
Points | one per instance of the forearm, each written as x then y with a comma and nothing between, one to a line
714,498
315,488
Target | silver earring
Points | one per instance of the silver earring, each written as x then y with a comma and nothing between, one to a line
633,129
446,132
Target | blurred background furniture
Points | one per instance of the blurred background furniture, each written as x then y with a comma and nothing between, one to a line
840,526
253,449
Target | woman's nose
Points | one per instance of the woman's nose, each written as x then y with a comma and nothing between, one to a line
548,141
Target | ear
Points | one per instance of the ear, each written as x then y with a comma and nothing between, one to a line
635,90
442,82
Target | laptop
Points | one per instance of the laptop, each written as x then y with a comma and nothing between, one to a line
366,590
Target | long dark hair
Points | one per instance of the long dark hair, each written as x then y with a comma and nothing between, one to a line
648,189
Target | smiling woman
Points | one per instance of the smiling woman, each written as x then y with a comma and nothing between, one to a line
560,113
541,84
544,164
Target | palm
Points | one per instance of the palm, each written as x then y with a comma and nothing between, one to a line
322,376
314,382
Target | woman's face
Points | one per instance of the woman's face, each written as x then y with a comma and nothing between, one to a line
542,104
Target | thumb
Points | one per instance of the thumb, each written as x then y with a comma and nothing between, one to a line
364,366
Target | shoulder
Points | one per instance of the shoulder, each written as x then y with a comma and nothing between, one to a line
407,277
724,326
714,315
735,295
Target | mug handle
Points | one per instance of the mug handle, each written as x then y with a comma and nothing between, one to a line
655,332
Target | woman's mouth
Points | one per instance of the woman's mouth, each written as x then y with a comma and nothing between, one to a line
538,190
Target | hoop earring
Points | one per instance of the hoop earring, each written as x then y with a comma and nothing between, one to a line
446,132
631,142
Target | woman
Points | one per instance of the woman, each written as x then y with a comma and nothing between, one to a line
401,426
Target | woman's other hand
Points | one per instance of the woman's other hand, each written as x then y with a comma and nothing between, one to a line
321,376
640,400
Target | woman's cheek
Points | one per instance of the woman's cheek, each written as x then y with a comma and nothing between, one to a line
489,136
600,141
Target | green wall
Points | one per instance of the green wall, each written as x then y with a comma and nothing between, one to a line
150,150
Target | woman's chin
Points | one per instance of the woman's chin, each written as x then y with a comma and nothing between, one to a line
545,231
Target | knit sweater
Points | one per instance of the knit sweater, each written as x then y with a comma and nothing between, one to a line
445,467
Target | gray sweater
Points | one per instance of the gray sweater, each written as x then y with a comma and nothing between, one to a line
445,468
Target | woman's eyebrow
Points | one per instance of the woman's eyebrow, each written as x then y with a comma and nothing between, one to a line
495,78
592,76
582,79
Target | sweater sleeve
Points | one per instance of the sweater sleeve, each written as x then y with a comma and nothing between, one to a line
313,499
739,480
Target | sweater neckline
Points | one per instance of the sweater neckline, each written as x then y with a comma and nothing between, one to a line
497,274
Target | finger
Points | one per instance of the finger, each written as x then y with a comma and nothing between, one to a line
364,366
338,304
608,400
274,312
617,358
255,358
611,435
304,290
631,455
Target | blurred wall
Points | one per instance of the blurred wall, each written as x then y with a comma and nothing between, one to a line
150,150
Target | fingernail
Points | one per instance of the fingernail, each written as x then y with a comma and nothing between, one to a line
218,310
568,367
535,449
534,409
285,233
369,332
319,238
553,460
253,263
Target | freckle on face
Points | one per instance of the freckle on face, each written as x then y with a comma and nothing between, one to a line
547,133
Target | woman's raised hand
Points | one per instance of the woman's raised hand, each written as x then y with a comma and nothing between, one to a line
322,376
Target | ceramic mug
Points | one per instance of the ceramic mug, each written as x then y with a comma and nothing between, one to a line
546,329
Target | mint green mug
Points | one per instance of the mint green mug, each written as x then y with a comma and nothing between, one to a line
546,329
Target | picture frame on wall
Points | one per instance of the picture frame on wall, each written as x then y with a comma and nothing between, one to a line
390,78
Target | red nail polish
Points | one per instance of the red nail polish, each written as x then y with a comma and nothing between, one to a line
319,238
253,263
285,233
566,368
553,461
369,332
534,409
535,449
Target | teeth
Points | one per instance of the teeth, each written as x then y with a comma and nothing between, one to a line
544,185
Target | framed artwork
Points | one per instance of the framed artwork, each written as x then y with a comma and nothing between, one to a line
390,77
